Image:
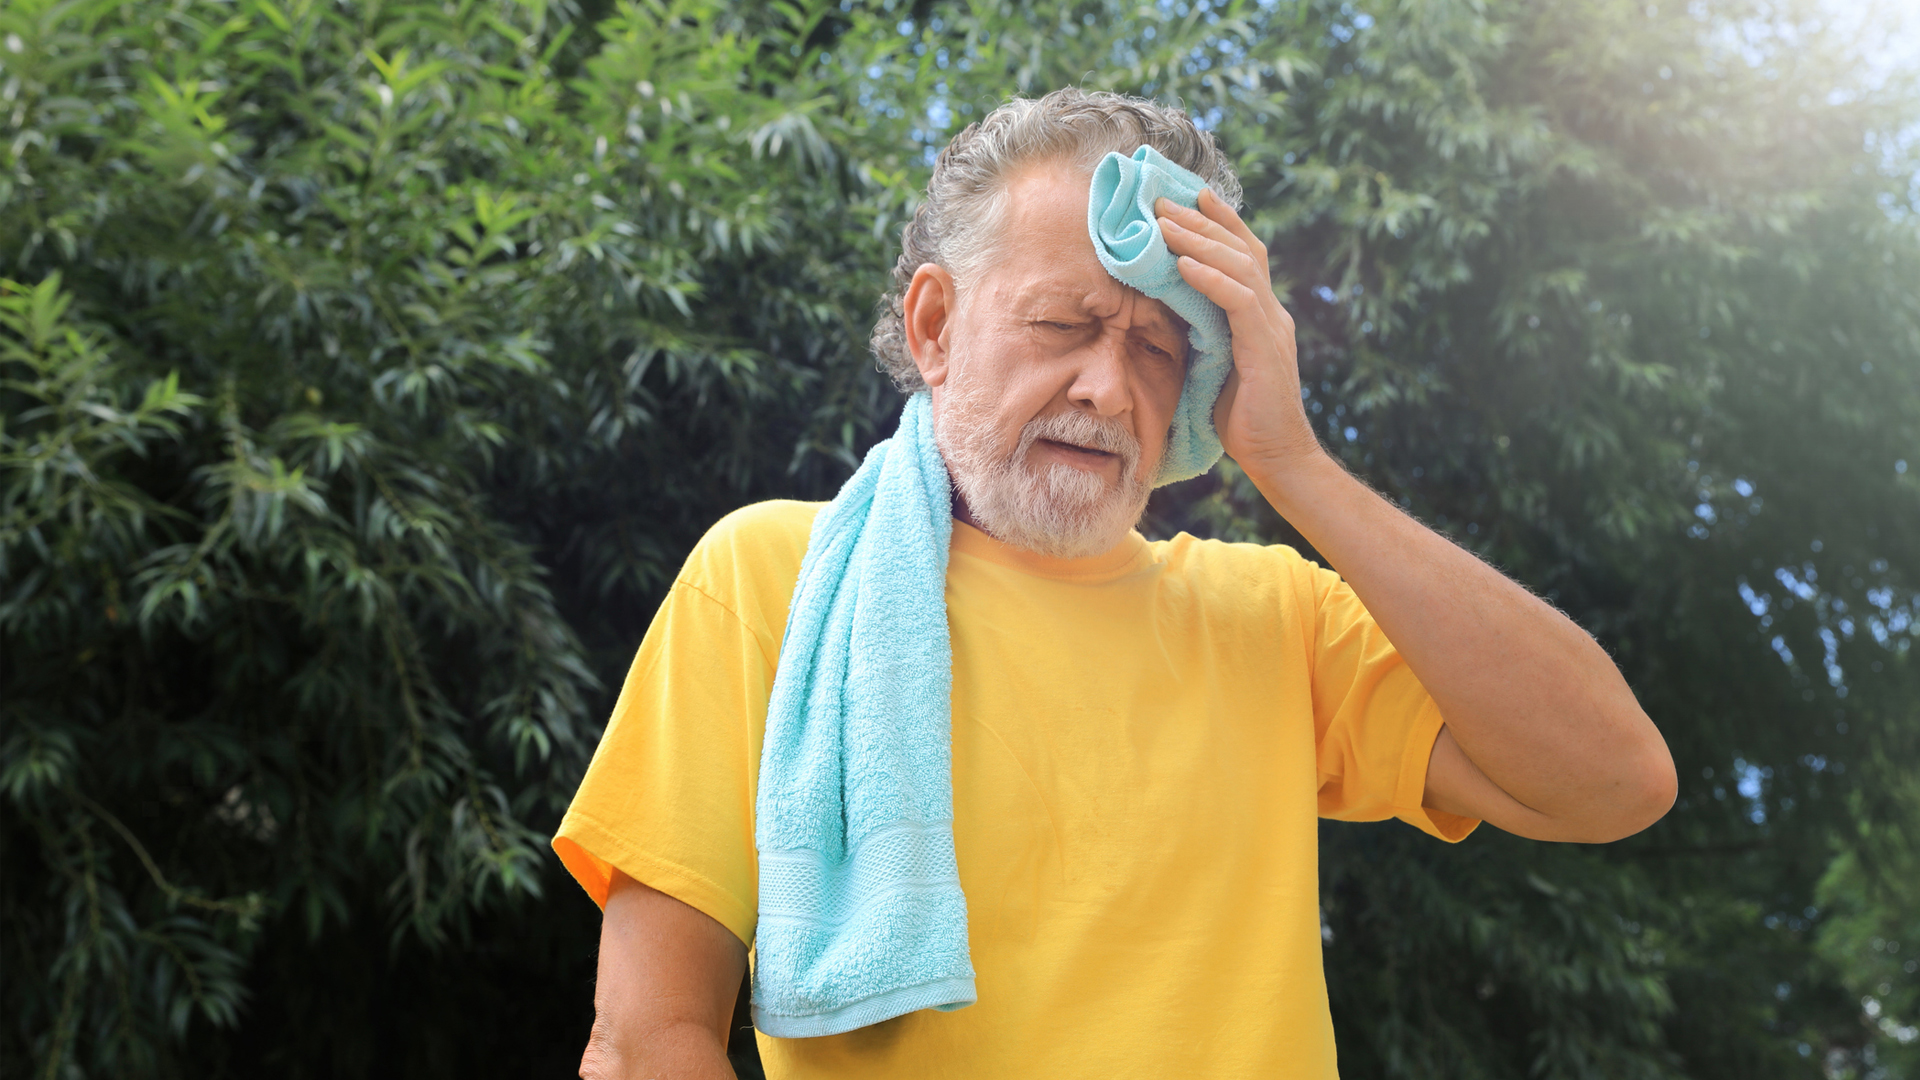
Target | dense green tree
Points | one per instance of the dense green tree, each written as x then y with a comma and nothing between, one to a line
414,289
366,369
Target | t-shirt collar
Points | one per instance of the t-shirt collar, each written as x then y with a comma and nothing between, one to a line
1128,555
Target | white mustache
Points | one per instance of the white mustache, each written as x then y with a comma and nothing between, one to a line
1083,430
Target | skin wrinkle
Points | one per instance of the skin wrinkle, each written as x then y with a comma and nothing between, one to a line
1030,357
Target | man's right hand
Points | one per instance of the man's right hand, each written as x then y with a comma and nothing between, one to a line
669,977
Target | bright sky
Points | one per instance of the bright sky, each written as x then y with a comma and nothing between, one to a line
1891,30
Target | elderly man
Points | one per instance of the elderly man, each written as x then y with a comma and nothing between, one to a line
1120,879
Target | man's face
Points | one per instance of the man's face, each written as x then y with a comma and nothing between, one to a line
1053,385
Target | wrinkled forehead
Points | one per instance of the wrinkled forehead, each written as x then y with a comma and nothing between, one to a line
1045,254
1096,296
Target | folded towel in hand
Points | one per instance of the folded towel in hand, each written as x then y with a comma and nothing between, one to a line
1126,236
861,915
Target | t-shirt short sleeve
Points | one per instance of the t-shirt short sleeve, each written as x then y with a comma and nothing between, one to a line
1374,723
669,795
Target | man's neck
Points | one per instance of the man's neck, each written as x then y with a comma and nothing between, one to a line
961,513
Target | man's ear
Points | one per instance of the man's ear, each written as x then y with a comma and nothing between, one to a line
928,311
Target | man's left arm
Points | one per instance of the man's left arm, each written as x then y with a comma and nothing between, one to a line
1543,737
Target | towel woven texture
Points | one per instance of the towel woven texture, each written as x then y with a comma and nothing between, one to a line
861,917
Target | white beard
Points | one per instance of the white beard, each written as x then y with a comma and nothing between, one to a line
1054,509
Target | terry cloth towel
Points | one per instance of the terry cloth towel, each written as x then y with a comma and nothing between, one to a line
1126,236
861,915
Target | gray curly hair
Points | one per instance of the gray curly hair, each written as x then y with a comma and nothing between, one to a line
959,221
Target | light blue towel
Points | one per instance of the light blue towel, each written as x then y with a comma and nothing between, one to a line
1126,236
861,916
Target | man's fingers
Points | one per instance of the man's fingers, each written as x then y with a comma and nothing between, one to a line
1216,209
1254,334
1221,256
1222,288
1230,269
1214,218
1217,236
1195,222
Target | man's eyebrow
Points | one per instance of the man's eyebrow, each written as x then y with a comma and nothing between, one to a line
1073,295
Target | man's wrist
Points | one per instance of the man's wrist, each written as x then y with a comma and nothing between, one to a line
1295,482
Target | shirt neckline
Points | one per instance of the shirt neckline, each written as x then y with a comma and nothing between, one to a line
1125,557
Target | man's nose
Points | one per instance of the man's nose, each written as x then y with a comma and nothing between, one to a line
1102,381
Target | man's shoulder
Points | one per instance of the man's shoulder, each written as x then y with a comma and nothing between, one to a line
764,526
754,552
1231,561
1252,589
1257,581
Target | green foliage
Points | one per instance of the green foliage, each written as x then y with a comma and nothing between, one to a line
1525,962
367,369
440,306
1871,935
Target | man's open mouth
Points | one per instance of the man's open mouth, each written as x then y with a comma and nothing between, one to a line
1089,451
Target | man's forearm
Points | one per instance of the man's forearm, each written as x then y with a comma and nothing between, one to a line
668,978
1530,698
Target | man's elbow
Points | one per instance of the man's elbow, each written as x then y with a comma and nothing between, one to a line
600,1061
631,1051
1642,792
609,1056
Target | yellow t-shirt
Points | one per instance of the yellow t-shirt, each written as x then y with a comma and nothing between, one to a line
1141,744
